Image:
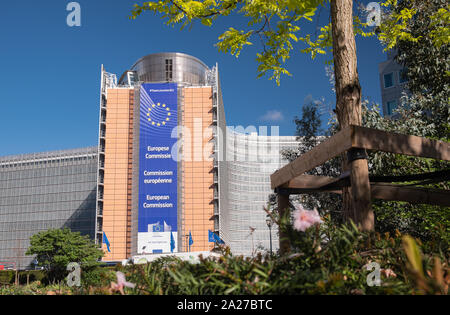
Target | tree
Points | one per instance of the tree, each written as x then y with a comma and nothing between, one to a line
427,65
309,134
398,23
277,25
56,248
425,110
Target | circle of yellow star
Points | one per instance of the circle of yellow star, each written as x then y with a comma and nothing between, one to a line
155,122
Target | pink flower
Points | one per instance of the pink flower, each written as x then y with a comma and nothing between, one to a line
304,219
389,273
121,283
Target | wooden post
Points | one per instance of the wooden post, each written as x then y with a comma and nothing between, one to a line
361,195
283,206
357,201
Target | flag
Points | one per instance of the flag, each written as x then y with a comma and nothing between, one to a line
172,242
105,240
218,239
210,236
214,238
191,241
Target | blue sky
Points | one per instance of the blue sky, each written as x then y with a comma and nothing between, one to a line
49,87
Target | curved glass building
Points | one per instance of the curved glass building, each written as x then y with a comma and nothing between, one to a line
171,67
252,158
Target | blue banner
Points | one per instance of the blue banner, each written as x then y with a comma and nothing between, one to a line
157,216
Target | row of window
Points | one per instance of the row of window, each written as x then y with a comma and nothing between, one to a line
47,163
35,226
248,188
53,201
50,184
390,78
86,215
70,188
253,179
240,197
51,171
247,207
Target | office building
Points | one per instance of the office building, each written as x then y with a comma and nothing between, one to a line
160,177
252,158
166,167
393,83
42,191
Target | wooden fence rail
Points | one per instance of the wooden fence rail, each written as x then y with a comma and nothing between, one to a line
291,179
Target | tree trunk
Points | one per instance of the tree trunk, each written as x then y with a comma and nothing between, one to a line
357,200
283,206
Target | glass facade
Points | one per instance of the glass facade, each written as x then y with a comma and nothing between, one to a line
42,191
251,161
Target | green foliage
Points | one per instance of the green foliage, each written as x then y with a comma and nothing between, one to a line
56,248
7,276
310,134
96,277
428,70
440,22
324,260
426,222
277,25
395,26
398,24
309,126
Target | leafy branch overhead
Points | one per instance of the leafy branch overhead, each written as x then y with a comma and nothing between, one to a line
277,26
398,22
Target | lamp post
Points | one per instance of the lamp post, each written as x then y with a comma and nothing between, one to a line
188,248
269,224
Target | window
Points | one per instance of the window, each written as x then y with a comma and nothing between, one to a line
391,105
388,80
169,69
403,76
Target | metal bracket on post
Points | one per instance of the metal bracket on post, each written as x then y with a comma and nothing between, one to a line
356,154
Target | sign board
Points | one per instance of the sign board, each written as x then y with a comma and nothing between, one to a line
157,214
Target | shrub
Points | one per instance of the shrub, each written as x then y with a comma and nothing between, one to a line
324,260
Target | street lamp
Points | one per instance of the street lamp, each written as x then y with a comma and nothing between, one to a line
269,224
